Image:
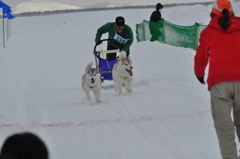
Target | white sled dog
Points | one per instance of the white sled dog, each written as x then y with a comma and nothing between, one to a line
122,73
91,81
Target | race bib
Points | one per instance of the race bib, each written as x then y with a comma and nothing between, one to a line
120,39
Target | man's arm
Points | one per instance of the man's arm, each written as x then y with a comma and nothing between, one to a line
130,37
102,30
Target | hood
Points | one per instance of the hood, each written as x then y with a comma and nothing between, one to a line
159,6
235,24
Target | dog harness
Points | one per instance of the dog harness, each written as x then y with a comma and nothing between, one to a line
121,75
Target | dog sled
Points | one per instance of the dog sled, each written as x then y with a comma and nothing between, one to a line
105,60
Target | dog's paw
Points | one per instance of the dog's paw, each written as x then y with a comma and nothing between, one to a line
88,98
129,91
98,100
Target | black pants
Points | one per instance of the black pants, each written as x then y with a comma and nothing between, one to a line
112,56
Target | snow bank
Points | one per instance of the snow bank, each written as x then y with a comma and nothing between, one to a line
42,6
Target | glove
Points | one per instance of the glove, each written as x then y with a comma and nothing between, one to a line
161,20
97,42
201,79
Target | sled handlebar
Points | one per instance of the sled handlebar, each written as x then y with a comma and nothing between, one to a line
100,41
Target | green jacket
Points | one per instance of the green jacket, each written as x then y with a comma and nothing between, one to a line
123,42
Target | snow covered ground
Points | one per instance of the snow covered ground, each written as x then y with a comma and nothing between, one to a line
167,115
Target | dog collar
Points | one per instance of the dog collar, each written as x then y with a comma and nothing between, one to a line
124,77
91,86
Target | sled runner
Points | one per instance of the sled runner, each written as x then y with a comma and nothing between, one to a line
105,59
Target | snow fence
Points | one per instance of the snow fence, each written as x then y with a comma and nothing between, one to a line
168,33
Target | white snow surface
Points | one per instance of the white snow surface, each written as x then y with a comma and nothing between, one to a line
167,116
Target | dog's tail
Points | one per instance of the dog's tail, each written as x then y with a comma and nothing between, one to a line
122,55
89,66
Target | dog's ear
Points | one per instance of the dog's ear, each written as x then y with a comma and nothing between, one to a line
128,59
122,61
97,69
87,69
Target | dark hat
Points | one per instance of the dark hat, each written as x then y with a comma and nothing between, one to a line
24,145
159,6
120,21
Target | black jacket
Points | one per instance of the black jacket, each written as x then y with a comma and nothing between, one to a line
156,16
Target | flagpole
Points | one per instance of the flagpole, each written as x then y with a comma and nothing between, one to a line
3,34
7,25
10,27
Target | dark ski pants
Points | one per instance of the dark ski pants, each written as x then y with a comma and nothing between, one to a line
225,98
112,56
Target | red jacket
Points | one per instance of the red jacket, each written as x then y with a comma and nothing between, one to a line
221,49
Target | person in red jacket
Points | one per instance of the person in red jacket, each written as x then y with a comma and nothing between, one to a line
220,49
